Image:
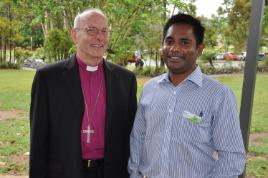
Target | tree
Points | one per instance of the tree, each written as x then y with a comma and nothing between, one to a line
236,11
57,45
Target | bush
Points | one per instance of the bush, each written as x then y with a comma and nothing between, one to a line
39,53
223,70
7,65
57,45
149,71
208,56
21,54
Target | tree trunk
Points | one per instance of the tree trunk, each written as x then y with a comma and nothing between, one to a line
156,60
65,20
5,52
44,29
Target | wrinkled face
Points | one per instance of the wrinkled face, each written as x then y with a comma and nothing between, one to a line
179,50
91,37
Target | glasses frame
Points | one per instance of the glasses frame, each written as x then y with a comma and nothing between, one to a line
94,31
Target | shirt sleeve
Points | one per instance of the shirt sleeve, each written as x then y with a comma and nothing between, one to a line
136,143
227,138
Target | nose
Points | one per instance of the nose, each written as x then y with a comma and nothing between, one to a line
175,47
99,35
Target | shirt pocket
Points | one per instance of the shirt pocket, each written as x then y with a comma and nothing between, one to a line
195,132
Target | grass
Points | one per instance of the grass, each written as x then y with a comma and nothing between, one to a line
259,121
15,86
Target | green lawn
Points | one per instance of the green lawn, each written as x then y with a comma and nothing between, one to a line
15,86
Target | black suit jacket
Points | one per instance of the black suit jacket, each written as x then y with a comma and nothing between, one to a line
56,117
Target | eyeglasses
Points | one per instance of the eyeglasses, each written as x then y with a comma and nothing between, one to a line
93,31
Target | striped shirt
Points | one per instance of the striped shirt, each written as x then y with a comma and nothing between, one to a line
186,131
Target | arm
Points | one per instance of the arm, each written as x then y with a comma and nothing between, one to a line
136,143
132,107
38,128
227,139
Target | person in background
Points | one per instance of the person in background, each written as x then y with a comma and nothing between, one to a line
187,123
82,109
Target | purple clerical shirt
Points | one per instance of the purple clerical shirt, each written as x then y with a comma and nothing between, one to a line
93,84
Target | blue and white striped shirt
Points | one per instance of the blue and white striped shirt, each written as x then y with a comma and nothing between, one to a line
187,131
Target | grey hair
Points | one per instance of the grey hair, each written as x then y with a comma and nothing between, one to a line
85,12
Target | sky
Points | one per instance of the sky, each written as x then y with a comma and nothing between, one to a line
207,7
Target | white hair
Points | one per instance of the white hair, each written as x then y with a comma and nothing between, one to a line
85,12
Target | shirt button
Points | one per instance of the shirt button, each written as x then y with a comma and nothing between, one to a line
174,92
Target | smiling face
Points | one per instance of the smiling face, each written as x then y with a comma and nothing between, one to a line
91,37
180,50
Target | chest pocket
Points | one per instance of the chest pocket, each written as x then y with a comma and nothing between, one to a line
199,131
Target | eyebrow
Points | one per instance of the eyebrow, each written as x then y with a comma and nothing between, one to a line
169,38
185,39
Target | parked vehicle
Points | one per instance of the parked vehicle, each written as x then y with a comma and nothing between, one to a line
219,56
242,56
230,56
261,56
33,63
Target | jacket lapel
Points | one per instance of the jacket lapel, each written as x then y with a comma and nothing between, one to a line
108,80
72,78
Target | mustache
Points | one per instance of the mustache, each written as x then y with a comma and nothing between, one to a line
175,54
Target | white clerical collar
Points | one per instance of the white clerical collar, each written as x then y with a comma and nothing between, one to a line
92,69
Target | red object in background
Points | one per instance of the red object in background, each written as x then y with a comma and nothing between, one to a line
230,56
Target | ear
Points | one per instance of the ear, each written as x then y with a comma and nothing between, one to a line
74,35
200,49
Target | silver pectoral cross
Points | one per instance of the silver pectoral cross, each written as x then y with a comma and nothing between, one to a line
88,132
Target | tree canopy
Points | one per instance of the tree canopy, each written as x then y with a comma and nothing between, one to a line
133,24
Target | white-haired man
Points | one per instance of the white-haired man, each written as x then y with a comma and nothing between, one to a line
82,109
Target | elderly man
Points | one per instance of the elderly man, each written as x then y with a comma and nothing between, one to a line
82,109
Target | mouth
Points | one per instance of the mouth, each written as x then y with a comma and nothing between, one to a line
175,58
97,45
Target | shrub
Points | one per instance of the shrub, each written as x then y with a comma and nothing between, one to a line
57,45
21,54
7,65
149,71
39,53
223,70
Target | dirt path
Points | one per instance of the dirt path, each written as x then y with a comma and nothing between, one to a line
255,138
11,176
13,114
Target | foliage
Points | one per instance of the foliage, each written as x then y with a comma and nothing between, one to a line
236,11
39,53
208,55
222,70
9,65
57,45
21,54
149,71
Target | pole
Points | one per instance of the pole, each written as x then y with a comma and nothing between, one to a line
250,70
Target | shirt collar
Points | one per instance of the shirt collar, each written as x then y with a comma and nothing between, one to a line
83,66
195,77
